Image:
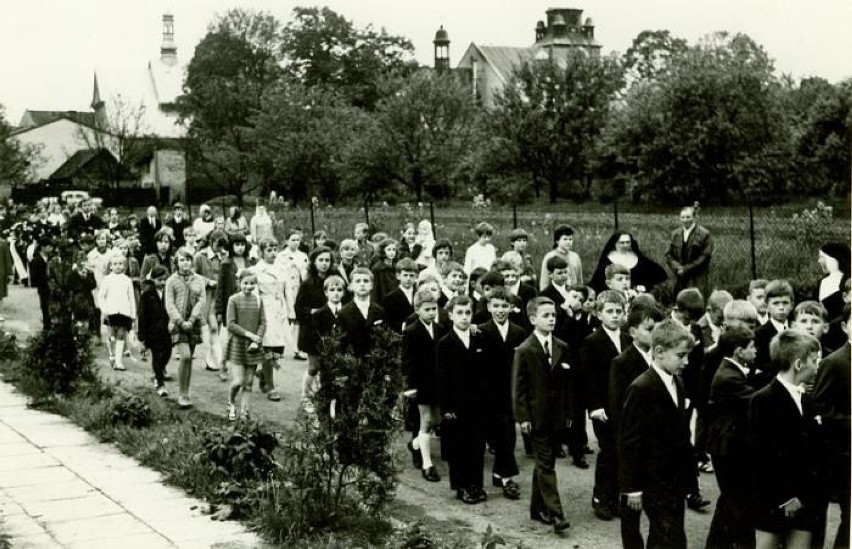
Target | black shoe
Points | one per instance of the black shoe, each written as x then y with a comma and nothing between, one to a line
580,462
602,510
466,497
588,451
478,494
560,525
430,474
416,456
696,502
560,452
511,490
543,517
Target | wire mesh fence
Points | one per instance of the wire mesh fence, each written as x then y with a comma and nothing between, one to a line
761,243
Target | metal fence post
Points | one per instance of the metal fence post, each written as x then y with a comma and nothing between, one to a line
367,214
514,216
432,219
313,225
615,212
752,237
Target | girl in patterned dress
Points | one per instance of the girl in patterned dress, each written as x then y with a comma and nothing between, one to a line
246,325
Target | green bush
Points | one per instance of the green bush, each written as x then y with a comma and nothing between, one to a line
132,410
241,451
58,361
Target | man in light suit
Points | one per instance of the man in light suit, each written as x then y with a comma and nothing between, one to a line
689,253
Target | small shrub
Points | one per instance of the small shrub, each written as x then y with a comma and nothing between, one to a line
57,361
242,451
132,410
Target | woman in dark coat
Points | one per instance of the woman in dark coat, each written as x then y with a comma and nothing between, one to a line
311,296
622,248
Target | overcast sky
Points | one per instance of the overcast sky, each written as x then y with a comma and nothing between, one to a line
50,48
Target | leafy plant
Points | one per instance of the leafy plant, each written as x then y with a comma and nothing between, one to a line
241,451
132,410
58,361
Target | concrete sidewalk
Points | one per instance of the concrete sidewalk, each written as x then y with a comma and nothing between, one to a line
60,487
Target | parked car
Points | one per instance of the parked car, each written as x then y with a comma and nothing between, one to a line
72,198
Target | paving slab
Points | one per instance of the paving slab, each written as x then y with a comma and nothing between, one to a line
31,460
47,492
138,541
89,506
37,476
40,541
111,526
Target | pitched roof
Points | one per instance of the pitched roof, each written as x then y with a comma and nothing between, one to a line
505,60
32,119
80,160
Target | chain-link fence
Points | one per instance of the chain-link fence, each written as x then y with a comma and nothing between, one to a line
758,243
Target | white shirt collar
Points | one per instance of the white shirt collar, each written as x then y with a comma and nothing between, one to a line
645,354
614,336
739,366
668,381
429,327
794,390
541,339
363,306
334,307
515,288
763,319
464,336
779,326
687,232
409,294
563,291
503,329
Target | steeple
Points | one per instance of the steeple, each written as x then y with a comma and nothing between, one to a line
98,105
442,50
168,49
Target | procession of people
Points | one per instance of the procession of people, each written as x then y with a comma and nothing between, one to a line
492,348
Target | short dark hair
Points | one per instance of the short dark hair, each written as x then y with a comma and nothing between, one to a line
459,301
555,262
690,302
406,264
501,293
158,272
562,230
779,288
484,228
638,315
517,234
615,268
492,278
735,336
440,245
582,288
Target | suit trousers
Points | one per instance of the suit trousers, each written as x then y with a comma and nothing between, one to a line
44,304
545,491
577,438
503,436
606,470
731,525
665,512
465,438
160,356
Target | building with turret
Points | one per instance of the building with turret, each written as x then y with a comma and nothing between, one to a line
489,68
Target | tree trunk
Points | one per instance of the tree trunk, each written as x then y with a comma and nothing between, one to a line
553,189
417,183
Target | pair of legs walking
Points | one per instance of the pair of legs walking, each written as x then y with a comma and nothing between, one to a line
242,379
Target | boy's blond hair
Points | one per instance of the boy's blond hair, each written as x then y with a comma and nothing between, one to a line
422,296
814,308
791,345
331,280
668,334
609,296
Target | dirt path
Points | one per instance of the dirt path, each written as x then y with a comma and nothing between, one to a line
416,498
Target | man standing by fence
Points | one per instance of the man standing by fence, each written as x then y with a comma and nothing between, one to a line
689,253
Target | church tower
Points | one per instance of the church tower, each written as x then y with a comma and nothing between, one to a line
442,51
98,105
168,49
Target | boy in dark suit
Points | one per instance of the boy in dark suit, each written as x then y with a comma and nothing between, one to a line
832,402
781,446
461,399
523,293
419,345
39,279
488,282
323,322
542,395
557,270
361,316
779,303
500,337
153,326
399,304
596,356
655,462
727,421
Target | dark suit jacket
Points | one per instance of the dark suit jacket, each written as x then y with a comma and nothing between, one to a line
153,325
323,323
499,356
699,249
397,309
78,225
781,448
624,369
177,228
762,336
146,235
461,379
596,356
727,412
543,393
38,275
831,399
655,455
419,362
520,317
357,330
561,330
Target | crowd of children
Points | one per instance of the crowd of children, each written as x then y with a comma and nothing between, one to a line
490,345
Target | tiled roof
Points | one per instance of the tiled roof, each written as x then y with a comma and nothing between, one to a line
79,160
32,119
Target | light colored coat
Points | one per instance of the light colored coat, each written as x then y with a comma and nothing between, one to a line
272,287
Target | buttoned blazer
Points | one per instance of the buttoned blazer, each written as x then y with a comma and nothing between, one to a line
499,356
596,354
832,400
781,443
543,393
727,412
357,330
624,369
397,309
460,370
654,451
419,351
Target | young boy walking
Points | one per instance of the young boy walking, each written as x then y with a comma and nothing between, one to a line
361,316
153,329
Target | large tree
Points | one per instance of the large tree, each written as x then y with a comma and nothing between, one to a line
301,134
548,118
122,131
232,67
651,53
322,47
712,127
418,139
16,159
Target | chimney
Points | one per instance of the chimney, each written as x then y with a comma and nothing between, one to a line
168,49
